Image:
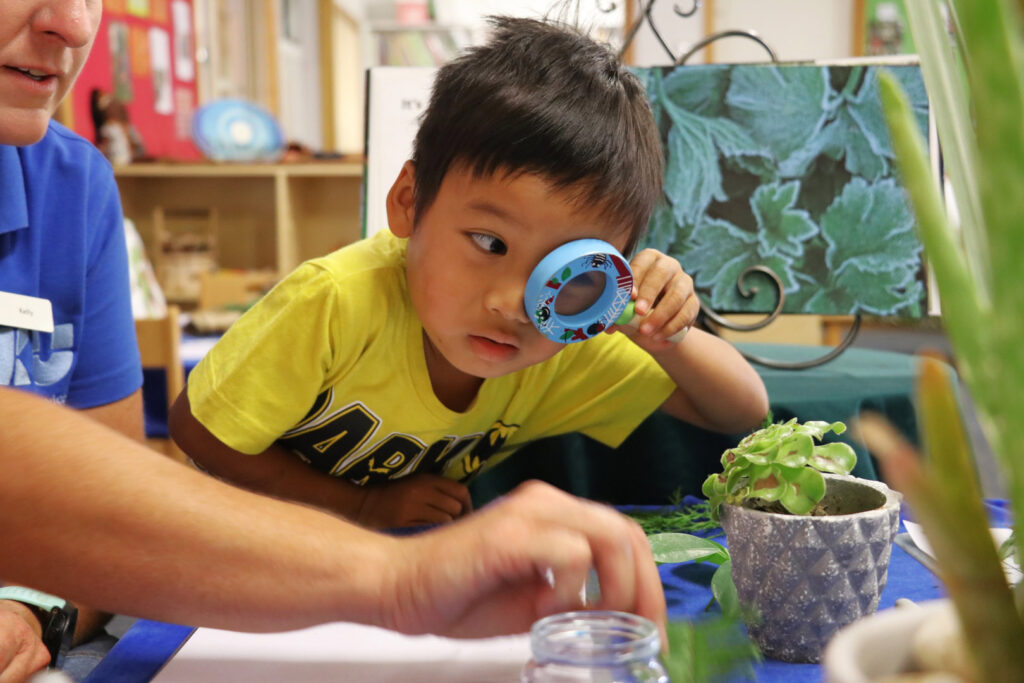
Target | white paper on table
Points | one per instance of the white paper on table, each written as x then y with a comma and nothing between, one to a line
344,652
999,536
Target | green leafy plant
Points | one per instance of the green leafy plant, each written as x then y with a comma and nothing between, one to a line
673,548
709,650
977,87
780,463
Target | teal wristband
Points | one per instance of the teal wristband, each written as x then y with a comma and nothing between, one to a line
57,617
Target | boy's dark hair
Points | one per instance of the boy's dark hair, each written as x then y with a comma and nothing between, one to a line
544,98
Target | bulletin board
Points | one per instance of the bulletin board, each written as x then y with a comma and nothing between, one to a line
144,54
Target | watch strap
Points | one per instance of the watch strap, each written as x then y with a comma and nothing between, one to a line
30,596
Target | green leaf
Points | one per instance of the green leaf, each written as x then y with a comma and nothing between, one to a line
788,474
719,252
885,293
729,457
709,650
837,458
784,109
675,548
782,229
696,140
795,450
759,458
1008,548
715,243
663,232
804,492
737,478
884,239
714,490
698,89
770,488
692,175
724,590
819,429
942,73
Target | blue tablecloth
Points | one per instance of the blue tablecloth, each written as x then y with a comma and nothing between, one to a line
149,644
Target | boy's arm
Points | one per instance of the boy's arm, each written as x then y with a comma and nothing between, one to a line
716,388
415,500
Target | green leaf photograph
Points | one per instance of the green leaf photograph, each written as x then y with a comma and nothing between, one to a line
787,166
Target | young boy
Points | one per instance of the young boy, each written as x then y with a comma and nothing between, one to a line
400,366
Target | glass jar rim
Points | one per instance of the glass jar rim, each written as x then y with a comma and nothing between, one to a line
594,637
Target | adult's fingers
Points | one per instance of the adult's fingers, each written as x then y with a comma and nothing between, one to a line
618,550
18,661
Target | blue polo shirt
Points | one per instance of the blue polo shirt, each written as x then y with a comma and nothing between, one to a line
62,239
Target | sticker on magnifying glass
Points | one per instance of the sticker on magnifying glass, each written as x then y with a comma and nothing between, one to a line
578,290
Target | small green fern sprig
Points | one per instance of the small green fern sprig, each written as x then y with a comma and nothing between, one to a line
677,517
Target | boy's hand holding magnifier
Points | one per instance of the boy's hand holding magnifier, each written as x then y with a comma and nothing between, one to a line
586,287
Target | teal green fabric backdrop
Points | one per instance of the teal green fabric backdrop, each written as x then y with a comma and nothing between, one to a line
664,455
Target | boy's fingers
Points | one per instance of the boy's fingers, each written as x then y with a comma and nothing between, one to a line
457,491
430,515
449,505
653,281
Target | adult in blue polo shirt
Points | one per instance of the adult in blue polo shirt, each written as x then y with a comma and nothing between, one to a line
62,242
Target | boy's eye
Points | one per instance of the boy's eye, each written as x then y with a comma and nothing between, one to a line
489,243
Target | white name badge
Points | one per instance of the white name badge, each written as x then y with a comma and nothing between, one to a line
26,312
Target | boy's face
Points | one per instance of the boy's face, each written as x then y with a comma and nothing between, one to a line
469,258
43,45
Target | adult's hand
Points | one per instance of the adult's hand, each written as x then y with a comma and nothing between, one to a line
22,652
488,574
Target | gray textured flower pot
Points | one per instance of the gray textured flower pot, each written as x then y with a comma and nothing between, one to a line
801,578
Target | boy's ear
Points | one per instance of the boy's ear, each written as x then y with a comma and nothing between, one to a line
401,201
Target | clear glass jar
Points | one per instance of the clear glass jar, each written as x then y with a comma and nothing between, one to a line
594,647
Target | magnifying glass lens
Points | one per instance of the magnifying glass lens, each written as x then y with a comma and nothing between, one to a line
580,293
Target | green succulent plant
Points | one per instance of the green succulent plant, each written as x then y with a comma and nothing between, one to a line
780,463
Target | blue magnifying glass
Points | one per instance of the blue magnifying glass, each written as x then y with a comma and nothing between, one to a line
579,290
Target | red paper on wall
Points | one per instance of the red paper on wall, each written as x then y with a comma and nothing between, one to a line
143,68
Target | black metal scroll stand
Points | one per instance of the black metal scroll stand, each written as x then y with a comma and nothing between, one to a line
707,315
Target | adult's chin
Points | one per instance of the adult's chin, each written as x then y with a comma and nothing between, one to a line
20,127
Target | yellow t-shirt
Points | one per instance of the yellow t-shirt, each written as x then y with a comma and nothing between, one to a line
330,365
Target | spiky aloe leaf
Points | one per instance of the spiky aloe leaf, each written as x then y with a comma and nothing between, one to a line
946,89
943,491
991,33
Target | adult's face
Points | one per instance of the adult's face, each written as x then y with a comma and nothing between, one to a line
43,45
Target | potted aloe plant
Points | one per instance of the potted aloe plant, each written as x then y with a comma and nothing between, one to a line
976,86
809,546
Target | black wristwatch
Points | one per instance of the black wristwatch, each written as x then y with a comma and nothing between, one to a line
56,615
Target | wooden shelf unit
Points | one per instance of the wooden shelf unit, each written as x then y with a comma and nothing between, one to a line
270,216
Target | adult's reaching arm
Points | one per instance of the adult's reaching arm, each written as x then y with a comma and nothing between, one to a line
129,531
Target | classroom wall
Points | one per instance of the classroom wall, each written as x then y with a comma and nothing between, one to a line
795,29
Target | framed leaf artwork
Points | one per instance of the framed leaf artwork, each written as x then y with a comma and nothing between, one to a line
787,166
